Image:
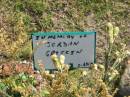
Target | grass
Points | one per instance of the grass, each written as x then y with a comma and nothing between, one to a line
19,18
50,16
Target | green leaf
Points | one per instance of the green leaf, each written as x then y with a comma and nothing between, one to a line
44,92
2,86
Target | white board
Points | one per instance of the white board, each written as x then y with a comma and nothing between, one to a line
79,48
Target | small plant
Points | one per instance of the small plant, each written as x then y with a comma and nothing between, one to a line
116,53
76,83
11,44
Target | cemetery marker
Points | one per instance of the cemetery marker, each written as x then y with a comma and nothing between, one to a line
79,48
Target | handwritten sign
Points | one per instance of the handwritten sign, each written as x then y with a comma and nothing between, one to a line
79,48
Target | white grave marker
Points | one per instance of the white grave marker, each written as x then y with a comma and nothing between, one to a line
79,48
